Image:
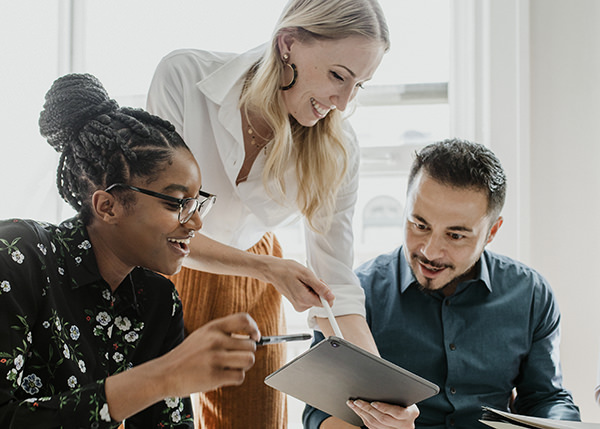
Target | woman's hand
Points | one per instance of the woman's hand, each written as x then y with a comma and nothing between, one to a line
293,280
214,355
297,283
379,415
217,354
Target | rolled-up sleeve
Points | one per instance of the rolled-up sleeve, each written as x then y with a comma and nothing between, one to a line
331,254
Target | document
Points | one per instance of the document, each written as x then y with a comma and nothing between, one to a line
504,420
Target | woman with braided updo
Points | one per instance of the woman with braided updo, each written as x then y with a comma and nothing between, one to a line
268,129
90,335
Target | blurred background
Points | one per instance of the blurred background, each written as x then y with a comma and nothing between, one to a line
516,75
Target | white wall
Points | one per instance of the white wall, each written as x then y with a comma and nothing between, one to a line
526,79
565,176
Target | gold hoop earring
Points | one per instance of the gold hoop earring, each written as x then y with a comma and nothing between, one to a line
286,58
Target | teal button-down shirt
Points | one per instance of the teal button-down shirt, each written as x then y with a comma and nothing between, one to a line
497,331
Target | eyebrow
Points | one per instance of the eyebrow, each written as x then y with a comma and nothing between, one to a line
460,228
176,187
450,228
420,219
347,69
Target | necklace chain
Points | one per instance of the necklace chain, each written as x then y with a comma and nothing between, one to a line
252,135
256,145
257,141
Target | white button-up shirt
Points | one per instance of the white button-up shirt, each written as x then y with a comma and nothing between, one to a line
199,92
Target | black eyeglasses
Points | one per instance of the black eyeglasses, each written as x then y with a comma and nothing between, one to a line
187,206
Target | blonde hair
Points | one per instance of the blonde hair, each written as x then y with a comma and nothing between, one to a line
319,152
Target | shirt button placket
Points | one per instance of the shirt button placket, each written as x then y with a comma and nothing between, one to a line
449,327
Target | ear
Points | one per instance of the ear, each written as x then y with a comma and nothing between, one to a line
285,40
105,207
494,229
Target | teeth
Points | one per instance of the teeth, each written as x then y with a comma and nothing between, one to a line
179,240
318,107
430,268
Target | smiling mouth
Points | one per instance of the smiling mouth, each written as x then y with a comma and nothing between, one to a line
322,111
429,267
182,242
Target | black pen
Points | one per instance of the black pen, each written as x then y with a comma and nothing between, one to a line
283,338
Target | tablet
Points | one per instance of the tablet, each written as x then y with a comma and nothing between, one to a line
335,370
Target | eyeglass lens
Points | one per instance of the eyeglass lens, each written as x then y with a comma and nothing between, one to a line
190,206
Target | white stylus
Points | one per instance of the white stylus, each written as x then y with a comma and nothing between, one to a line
331,317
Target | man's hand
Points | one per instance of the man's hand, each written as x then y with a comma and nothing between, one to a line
379,415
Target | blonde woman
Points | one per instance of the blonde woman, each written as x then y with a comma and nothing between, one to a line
267,127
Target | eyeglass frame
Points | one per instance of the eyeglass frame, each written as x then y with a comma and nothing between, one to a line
181,201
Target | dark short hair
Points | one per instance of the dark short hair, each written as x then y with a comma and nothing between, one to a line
463,164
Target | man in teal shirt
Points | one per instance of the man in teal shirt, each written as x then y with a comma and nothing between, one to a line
478,324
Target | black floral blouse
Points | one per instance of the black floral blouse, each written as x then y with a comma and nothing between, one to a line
62,331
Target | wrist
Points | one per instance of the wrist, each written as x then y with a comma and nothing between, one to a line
261,267
131,391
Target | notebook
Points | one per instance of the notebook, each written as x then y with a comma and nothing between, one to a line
504,420
335,370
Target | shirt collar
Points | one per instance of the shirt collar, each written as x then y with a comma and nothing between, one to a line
407,278
82,267
484,271
406,275
229,77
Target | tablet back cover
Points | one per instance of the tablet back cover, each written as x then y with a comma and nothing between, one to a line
335,370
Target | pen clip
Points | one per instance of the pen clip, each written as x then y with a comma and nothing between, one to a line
331,317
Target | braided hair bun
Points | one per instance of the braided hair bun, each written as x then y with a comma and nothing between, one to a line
101,143
71,102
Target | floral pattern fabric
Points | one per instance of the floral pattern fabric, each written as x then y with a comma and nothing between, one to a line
63,331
